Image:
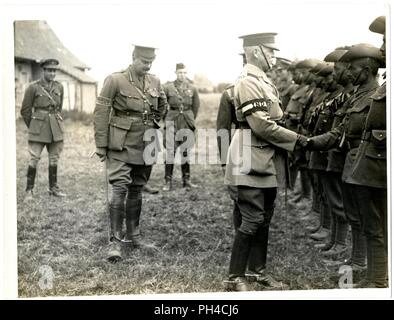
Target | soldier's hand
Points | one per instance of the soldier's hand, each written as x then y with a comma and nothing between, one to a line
101,153
303,142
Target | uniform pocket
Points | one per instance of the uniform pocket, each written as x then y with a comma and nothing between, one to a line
37,121
262,161
118,128
376,147
153,95
133,100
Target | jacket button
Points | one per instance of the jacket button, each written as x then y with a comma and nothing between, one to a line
379,155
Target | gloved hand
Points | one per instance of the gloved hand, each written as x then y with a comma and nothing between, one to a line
101,153
303,142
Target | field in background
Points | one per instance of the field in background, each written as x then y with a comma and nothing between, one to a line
64,240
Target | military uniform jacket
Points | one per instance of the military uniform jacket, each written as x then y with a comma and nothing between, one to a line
250,160
41,109
336,157
184,102
319,122
225,119
370,166
348,133
125,109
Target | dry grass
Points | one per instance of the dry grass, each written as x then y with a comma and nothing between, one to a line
192,230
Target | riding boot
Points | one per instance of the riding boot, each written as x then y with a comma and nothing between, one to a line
54,189
238,261
31,176
116,215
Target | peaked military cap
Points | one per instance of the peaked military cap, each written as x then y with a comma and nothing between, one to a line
335,55
326,70
49,63
307,63
317,67
266,39
147,53
282,63
378,25
363,50
180,66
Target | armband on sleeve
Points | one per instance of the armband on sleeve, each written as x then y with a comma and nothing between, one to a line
254,105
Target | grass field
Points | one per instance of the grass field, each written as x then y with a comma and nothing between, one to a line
191,230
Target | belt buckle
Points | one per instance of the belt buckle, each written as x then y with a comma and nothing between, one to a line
181,108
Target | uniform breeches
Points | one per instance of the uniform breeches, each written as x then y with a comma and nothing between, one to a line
256,206
126,179
54,150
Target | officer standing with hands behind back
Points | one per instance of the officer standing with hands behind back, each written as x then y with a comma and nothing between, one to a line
41,107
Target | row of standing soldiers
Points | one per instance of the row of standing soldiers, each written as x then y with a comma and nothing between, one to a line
340,106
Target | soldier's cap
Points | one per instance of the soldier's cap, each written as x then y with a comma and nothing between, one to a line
318,67
266,39
326,70
335,55
292,65
363,50
307,63
49,63
147,53
378,25
179,66
282,63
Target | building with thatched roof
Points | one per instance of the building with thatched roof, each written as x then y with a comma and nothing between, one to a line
35,40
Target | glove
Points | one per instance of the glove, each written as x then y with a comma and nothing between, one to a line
303,141
101,153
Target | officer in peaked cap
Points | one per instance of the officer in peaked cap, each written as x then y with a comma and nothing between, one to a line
252,169
369,173
41,107
364,61
183,102
130,105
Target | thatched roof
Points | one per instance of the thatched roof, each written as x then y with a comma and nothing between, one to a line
35,40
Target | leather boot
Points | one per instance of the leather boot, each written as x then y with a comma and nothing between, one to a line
327,246
186,176
258,252
133,213
377,264
116,220
31,176
54,189
238,261
359,248
168,170
133,234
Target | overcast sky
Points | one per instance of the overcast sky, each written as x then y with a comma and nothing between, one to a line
202,34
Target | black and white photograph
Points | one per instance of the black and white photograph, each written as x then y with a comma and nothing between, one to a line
206,149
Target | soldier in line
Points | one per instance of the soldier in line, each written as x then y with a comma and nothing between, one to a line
130,103
41,107
316,161
293,117
326,117
184,102
369,174
364,64
257,107
286,85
